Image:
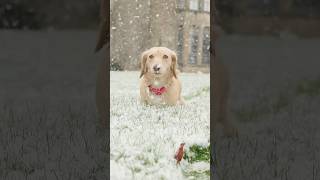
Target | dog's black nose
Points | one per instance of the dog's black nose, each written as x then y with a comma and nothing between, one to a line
156,67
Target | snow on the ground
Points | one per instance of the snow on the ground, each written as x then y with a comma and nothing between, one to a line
278,129
144,139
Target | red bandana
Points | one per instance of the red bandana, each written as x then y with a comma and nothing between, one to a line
157,91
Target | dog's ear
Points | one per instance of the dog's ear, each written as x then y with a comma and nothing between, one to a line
174,64
104,29
143,62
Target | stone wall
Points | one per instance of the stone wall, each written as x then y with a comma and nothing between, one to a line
141,24
138,25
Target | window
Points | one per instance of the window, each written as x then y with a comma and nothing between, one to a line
194,5
206,46
181,4
193,46
180,47
206,5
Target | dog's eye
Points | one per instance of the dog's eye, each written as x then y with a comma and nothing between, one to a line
151,56
165,57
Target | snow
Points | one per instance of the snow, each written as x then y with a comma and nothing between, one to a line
280,143
200,166
144,139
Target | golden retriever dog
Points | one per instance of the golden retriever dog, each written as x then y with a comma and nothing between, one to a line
159,83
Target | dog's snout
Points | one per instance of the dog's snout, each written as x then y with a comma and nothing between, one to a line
156,67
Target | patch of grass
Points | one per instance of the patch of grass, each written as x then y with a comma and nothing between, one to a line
197,153
263,106
197,175
308,87
197,93
251,113
32,136
282,101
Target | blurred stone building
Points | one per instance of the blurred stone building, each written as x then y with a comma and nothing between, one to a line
53,14
181,25
270,17
193,35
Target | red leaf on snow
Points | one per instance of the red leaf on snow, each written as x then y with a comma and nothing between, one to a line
179,154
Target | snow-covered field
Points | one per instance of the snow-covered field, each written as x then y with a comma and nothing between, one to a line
48,123
144,139
49,128
275,98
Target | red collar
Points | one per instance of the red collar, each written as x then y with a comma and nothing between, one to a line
157,91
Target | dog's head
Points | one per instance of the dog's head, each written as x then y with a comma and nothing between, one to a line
158,62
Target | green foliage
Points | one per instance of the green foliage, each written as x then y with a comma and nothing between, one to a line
197,153
198,93
198,175
308,87
252,112
281,100
116,67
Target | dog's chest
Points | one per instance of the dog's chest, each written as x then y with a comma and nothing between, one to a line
155,99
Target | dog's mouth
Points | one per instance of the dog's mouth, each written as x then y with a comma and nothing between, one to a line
157,73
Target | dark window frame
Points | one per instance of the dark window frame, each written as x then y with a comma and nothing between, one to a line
194,45
206,45
180,48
